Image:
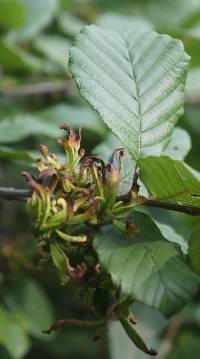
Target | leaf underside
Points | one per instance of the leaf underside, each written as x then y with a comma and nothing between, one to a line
170,181
135,81
147,267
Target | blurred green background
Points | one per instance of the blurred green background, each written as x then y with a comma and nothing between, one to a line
36,94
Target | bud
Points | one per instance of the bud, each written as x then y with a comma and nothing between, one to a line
68,186
71,146
111,188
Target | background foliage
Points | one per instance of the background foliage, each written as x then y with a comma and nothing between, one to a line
37,93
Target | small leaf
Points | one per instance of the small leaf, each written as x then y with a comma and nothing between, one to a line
170,181
136,339
194,249
135,81
151,333
146,267
59,260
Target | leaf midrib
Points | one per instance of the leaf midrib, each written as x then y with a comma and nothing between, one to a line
137,94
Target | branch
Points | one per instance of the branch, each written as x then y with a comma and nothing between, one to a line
14,194
38,88
193,100
193,211
75,323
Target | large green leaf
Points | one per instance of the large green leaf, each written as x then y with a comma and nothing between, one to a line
147,267
135,81
194,249
170,181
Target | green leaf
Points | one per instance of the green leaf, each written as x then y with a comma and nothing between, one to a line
170,181
12,13
59,260
39,15
12,335
194,249
147,267
135,81
54,47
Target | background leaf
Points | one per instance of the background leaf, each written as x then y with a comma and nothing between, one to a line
12,13
29,300
39,15
54,47
12,336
